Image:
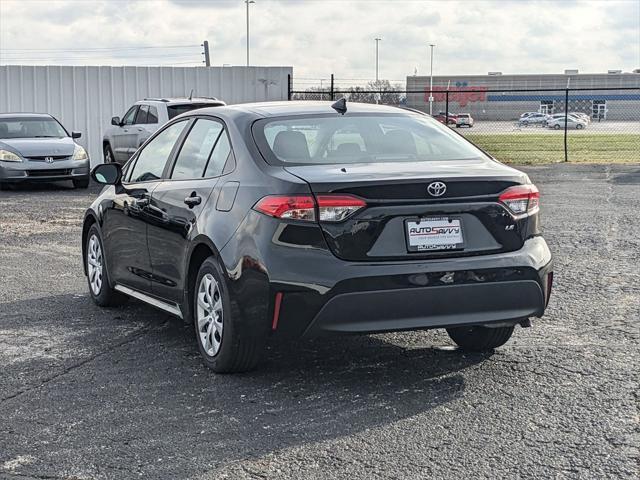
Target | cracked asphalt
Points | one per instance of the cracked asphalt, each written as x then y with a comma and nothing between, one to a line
90,393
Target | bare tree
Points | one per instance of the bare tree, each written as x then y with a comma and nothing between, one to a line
313,93
381,91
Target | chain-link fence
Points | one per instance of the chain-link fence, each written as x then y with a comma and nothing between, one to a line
599,125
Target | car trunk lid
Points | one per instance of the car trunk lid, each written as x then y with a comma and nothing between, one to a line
400,208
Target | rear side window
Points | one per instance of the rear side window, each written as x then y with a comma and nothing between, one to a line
175,110
370,138
197,149
219,156
153,157
152,115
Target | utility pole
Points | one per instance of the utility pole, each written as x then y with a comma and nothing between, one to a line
248,2
207,59
377,41
431,83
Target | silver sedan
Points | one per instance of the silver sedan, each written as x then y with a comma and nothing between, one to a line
36,147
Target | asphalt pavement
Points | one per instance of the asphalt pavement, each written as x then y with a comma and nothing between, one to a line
91,393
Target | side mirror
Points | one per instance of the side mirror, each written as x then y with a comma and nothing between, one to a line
107,173
115,121
76,134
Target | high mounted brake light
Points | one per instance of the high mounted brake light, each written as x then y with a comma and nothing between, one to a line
521,199
330,208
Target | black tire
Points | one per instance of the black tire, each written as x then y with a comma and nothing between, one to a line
4,186
108,154
557,126
579,126
80,183
106,296
240,348
479,339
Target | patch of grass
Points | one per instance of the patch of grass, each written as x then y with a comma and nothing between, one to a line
531,148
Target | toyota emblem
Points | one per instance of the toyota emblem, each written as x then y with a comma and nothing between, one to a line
436,189
48,159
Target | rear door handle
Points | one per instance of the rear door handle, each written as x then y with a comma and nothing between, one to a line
193,200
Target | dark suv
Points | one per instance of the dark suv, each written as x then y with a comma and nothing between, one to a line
301,218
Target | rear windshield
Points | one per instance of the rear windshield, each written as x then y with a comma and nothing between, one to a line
175,110
335,139
34,127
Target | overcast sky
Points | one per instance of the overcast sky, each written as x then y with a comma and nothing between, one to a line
318,37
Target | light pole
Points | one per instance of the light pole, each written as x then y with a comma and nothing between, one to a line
248,2
431,82
377,41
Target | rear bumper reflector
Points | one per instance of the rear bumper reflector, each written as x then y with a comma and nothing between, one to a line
276,311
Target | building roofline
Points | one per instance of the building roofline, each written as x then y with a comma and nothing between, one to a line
503,75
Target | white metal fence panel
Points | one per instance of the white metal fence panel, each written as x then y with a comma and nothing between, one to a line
85,98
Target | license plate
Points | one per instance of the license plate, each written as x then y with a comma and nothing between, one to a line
434,233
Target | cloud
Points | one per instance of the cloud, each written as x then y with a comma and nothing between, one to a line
323,37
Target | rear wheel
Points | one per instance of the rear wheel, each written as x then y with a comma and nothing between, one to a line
97,276
579,126
108,154
4,186
478,338
556,126
225,345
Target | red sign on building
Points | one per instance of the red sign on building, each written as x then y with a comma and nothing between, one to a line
460,95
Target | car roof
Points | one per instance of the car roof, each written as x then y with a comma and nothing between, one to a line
287,108
182,101
24,115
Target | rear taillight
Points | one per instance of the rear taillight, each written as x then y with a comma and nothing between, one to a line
521,199
292,207
330,208
335,208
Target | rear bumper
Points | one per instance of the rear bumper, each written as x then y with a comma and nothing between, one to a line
324,294
429,307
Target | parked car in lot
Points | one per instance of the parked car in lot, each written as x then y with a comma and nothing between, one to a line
582,116
530,118
464,120
126,134
297,219
442,117
572,122
35,147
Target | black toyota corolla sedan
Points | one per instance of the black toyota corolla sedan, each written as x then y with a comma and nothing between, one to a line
299,219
